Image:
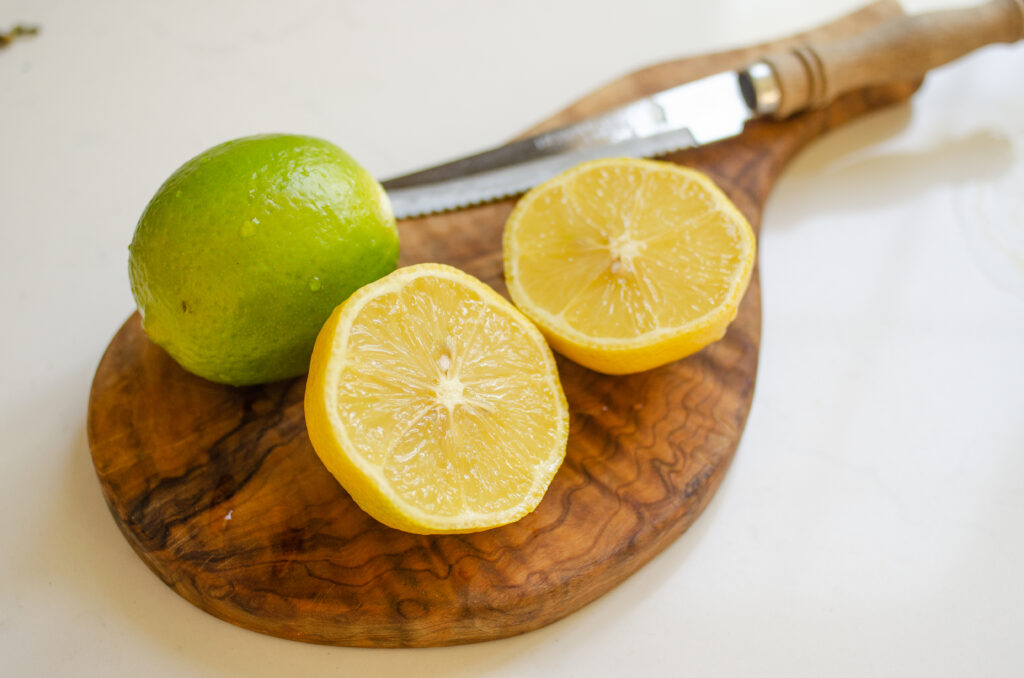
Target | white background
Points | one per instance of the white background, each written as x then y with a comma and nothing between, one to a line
871,523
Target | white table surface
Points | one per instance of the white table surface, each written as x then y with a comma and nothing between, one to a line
873,520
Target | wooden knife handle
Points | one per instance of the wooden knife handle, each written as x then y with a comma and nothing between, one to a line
903,49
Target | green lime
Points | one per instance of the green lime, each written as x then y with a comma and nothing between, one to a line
246,249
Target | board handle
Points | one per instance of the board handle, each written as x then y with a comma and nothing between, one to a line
813,75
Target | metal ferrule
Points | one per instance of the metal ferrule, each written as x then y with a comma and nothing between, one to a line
760,88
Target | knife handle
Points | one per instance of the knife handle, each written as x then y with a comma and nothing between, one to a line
811,76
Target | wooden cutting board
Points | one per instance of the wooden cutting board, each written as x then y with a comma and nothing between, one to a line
220,493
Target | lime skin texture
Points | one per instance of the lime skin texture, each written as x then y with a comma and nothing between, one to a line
246,249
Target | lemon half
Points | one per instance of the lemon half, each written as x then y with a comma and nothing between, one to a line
435,403
627,264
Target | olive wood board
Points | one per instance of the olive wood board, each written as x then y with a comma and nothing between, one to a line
220,493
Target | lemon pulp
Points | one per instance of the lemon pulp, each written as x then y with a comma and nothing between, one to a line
628,264
435,403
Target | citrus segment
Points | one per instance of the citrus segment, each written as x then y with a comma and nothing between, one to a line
628,264
435,403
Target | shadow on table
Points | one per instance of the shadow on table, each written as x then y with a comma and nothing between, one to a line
829,178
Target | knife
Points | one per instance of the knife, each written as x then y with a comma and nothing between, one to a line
713,108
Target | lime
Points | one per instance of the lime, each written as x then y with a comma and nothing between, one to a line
246,249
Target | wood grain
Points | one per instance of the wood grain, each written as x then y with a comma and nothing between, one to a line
220,493
906,47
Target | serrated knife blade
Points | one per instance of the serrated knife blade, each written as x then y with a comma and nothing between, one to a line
718,106
696,113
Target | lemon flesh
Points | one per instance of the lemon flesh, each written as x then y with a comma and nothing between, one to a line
626,264
435,403
243,253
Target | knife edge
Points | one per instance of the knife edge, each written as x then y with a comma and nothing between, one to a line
504,182
685,105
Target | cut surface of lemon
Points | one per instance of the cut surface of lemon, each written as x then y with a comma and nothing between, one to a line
627,264
435,403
